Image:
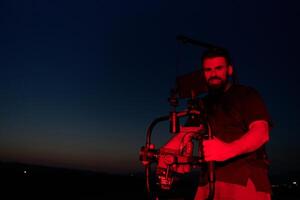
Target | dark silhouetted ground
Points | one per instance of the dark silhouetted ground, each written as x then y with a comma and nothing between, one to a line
21,181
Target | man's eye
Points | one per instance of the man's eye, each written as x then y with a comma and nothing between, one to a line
207,69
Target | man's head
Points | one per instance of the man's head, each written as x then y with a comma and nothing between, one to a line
217,68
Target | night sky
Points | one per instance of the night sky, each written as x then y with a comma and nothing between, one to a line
80,81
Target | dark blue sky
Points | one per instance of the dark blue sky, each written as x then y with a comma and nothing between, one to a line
80,81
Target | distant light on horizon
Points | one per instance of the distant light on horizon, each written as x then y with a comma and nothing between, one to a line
294,183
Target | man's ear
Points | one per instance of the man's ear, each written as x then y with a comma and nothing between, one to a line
230,70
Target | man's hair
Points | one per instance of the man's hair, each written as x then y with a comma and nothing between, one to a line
216,52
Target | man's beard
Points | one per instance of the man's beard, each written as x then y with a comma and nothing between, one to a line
216,89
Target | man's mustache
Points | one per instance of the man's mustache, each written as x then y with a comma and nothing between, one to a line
214,78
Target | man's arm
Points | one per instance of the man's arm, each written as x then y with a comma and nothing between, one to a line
217,150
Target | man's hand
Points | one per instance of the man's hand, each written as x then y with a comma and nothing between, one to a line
217,150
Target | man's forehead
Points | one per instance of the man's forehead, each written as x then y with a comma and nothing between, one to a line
214,61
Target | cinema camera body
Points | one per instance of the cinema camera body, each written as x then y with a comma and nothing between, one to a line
183,151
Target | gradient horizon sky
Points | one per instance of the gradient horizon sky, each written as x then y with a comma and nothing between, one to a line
80,81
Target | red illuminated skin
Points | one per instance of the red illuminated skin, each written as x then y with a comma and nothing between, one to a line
216,67
258,133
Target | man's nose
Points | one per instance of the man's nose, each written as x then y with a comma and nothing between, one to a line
213,72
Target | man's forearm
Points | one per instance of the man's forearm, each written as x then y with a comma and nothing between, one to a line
257,135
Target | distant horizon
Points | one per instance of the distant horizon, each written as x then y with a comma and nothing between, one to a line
272,173
68,167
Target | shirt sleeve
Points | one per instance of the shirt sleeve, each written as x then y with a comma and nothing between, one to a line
254,108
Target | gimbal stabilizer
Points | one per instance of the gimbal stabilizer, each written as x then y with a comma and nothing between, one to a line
177,155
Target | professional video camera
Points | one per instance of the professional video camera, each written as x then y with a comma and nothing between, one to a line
178,155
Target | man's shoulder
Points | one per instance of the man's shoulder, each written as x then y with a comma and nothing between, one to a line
241,87
236,91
